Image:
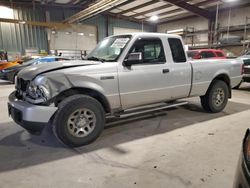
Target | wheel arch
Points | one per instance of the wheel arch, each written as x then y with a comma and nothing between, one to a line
85,91
225,78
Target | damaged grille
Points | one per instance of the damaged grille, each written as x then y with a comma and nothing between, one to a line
21,87
21,84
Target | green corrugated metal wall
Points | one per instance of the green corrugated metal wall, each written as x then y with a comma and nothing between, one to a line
18,37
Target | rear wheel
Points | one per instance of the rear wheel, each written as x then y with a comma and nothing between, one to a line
79,120
216,97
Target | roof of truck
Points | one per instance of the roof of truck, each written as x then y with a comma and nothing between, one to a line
148,34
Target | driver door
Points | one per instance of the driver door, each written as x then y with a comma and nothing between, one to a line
147,81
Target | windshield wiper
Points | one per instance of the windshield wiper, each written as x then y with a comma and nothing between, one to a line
96,59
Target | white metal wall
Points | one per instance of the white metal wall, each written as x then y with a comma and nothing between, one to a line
120,30
81,37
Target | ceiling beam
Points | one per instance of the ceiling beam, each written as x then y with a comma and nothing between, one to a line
177,10
154,10
52,25
38,5
130,19
122,4
176,18
180,9
169,5
93,9
138,7
192,8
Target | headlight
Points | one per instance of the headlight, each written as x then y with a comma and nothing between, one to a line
39,92
44,91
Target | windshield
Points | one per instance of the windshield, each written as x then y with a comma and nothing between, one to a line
109,49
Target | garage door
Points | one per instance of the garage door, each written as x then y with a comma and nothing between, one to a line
79,38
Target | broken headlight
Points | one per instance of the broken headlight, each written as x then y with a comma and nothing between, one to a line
39,93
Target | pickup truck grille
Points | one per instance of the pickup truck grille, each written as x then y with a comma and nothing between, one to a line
21,84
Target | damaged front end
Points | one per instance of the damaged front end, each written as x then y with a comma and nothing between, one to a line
41,90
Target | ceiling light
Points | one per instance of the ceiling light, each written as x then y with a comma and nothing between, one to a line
81,34
154,18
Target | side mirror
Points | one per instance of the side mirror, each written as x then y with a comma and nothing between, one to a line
133,58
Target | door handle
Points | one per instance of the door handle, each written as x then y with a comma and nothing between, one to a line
164,71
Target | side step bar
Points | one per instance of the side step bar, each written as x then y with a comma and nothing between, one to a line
148,108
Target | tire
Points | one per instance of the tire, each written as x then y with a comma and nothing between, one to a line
79,120
238,86
216,97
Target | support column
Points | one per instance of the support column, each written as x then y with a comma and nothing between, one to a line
211,28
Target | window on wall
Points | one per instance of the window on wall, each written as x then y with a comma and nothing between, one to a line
177,50
151,49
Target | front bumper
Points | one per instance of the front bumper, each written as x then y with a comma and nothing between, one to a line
31,117
242,178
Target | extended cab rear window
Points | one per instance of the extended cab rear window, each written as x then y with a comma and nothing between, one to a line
177,50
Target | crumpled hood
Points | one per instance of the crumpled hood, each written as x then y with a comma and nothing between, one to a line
31,72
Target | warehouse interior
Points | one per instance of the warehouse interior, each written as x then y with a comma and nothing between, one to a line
179,146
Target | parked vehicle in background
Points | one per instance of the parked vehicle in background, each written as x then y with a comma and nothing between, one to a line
206,54
242,177
246,69
4,61
10,73
123,75
6,64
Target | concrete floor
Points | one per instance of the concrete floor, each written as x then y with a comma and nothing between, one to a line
182,147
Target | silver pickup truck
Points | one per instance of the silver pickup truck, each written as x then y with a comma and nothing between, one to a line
124,73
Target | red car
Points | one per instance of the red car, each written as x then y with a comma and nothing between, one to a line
206,53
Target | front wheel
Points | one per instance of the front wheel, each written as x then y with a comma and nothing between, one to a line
216,97
79,120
